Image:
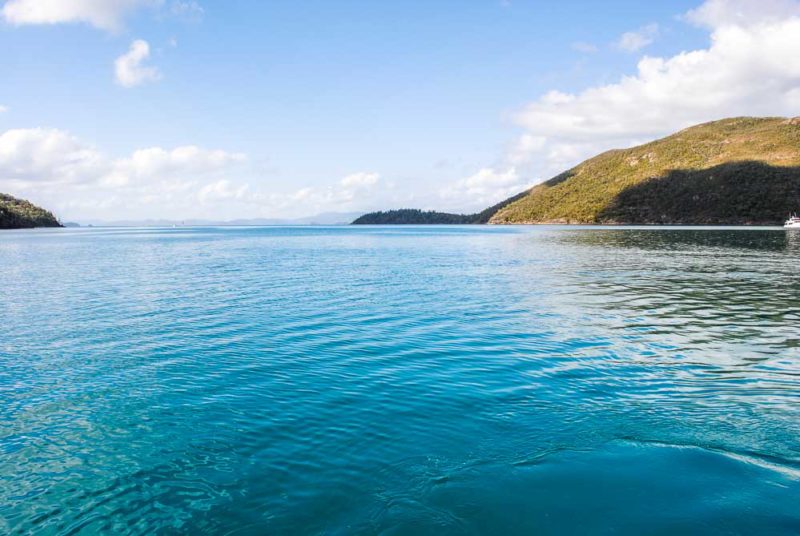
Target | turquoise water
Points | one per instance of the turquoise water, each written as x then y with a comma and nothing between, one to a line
440,380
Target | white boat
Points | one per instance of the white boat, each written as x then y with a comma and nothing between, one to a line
793,222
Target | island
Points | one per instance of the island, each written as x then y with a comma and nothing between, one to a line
410,216
21,214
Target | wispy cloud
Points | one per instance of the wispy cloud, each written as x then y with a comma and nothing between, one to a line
187,10
638,39
584,48
484,188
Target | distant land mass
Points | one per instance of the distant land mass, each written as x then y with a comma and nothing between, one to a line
413,216
21,214
326,218
735,171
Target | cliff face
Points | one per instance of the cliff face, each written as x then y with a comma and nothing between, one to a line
734,171
20,214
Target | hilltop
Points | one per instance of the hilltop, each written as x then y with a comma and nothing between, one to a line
735,171
742,170
21,214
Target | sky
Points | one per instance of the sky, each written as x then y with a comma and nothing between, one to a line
179,109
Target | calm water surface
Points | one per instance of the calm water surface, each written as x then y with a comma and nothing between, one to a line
440,380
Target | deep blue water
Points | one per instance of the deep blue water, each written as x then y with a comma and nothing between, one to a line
440,380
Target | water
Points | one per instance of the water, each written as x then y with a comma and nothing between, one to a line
442,380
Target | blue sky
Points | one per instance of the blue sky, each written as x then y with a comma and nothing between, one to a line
280,108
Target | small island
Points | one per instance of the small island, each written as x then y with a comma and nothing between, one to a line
21,214
410,216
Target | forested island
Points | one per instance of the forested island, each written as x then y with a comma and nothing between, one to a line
735,171
413,216
21,214
409,216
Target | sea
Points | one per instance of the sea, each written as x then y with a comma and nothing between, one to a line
400,380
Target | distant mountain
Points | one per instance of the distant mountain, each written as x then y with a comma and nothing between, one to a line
735,171
327,218
21,214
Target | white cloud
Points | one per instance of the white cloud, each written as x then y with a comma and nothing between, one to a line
488,179
176,164
525,146
70,176
223,189
751,67
482,189
3,109
639,39
129,68
31,155
103,14
362,179
357,191
353,188
717,13
77,181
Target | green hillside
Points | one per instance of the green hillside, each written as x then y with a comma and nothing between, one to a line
20,214
734,171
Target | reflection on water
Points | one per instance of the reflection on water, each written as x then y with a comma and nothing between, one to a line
712,314
401,380
686,238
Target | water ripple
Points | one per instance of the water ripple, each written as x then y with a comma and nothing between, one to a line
399,380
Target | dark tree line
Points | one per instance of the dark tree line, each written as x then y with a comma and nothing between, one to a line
411,216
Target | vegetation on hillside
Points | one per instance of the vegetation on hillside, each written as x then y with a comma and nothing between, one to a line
734,171
409,216
734,193
20,214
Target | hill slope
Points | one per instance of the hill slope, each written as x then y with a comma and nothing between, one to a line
20,214
734,171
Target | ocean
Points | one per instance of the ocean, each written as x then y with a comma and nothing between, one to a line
400,380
